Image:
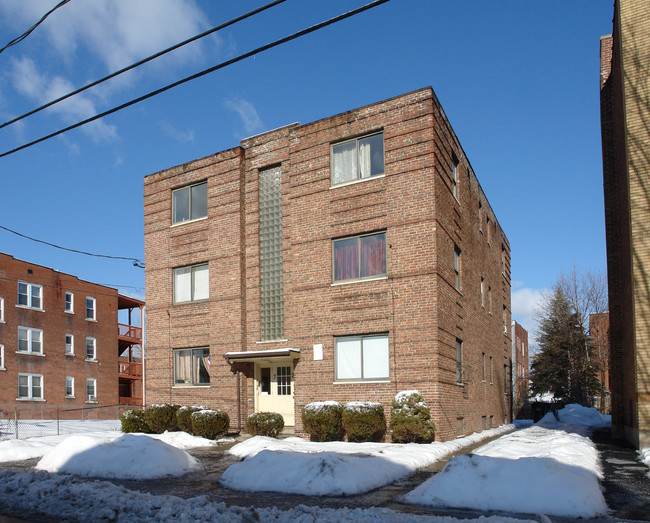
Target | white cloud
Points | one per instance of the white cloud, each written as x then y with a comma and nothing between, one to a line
525,303
248,114
172,132
41,88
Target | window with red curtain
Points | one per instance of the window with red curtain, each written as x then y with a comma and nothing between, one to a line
360,257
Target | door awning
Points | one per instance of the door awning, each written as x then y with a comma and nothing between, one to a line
256,356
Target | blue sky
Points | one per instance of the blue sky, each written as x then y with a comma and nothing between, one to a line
519,82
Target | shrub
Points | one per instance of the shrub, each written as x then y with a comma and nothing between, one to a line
265,424
410,419
134,421
161,418
364,421
184,417
210,423
322,421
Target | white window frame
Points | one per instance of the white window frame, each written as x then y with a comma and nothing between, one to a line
189,189
193,288
29,293
30,341
454,177
358,175
71,351
360,371
91,398
2,310
65,306
94,347
30,387
459,361
93,308
359,237
2,357
457,268
69,380
196,357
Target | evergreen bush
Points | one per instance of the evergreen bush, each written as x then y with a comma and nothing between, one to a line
364,421
410,419
265,424
322,421
210,423
161,418
134,421
184,417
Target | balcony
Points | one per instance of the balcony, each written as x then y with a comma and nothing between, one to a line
129,333
130,370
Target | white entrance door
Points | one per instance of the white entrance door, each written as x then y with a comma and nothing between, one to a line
274,389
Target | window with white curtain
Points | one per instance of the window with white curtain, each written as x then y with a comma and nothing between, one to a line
362,358
191,283
91,390
69,387
30,340
30,386
358,159
190,203
192,366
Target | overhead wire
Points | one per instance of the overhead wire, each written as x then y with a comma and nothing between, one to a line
136,261
20,38
204,72
144,61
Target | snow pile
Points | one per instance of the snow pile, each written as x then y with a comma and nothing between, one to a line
576,418
644,456
535,470
64,497
183,440
317,406
361,406
333,468
133,456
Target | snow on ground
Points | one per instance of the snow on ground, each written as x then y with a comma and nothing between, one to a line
33,428
132,456
334,468
65,497
644,456
541,469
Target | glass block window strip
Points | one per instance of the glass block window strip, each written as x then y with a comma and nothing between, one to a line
271,268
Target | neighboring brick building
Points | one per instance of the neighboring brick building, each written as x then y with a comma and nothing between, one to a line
346,259
59,340
625,113
520,383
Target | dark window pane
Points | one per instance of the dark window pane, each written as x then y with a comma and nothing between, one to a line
199,199
265,380
346,259
181,205
376,144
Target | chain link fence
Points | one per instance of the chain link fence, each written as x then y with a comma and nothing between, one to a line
19,421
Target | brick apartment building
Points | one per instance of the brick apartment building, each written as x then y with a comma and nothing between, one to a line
520,383
625,113
345,259
60,341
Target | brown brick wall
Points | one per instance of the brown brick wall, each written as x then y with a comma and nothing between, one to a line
416,304
55,324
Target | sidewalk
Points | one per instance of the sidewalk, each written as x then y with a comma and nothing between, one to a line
626,484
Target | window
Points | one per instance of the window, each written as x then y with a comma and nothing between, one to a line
2,357
69,302
283,379
482,292
488,230
358,159
504,259
69,387
362,358
30,386
91,309
91,348
30,295
190,203
69,345
491,382
480,217
191,366
490,300
191,283
359,257
454,177
457,267
2,309
91,390
30,340
483,366
459,361
505,320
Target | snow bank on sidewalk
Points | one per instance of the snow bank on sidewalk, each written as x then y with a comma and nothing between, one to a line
133,456
534,470
334,468
64,497
576,418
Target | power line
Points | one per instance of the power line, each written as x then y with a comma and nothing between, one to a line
20,38
136,261
144,61
239,58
